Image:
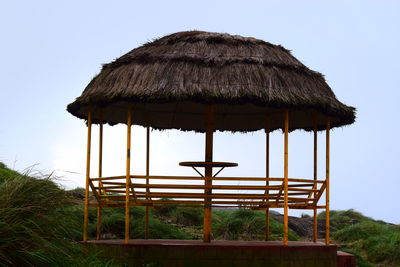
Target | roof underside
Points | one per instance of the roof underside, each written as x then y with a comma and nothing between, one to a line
170,81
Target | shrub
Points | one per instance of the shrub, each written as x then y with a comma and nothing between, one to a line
342,218
360,231
113,224
160,230
384,247
165,210
380,242
247,224
188,216
360,260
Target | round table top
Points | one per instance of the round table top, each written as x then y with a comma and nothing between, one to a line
207,164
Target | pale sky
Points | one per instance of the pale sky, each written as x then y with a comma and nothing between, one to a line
50,50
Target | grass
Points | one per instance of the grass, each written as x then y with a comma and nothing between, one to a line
371,241
245,224
239,224
6,172
342,218
360,259
41,224
113,224
380,243
36,228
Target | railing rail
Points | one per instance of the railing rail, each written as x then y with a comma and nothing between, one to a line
154,190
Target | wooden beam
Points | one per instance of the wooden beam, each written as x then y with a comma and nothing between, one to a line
214,202
327,222
319,194
219,196
95,190
274,187
100,173
161,177
86,209
267,176
210,187
285,182
209,119
315,167
253,206
128,172
146,222
202,196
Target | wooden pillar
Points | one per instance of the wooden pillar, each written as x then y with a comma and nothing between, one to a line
100,174
86,209
267,182
146,222
285,182
209,118
327,196
315,221
128,172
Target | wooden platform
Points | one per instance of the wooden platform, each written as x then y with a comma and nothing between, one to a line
217,253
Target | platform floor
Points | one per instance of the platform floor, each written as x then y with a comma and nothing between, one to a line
163,252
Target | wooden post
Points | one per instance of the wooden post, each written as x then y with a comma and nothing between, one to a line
128,172
100,174
86,209
315,221
146,223
327,217
285,182
208,171
267,176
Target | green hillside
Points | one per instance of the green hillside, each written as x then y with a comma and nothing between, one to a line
41,224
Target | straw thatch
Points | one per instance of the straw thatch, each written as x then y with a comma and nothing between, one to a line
170,81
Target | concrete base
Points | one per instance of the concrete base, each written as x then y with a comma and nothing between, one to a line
345,259
217,253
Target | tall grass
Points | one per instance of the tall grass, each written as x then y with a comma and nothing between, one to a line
245,224
36,228
375,241
379,242
6,172
113,225
238,224
342,218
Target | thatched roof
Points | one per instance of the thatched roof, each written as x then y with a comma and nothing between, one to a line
169,82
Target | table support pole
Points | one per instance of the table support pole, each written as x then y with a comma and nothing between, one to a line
285,182
315,218
86,210
267,176
128,172
208,172
146,223
100,174
327,195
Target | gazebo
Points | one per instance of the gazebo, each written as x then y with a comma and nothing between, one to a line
205,82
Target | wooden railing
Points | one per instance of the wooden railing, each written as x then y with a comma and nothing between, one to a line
190,191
